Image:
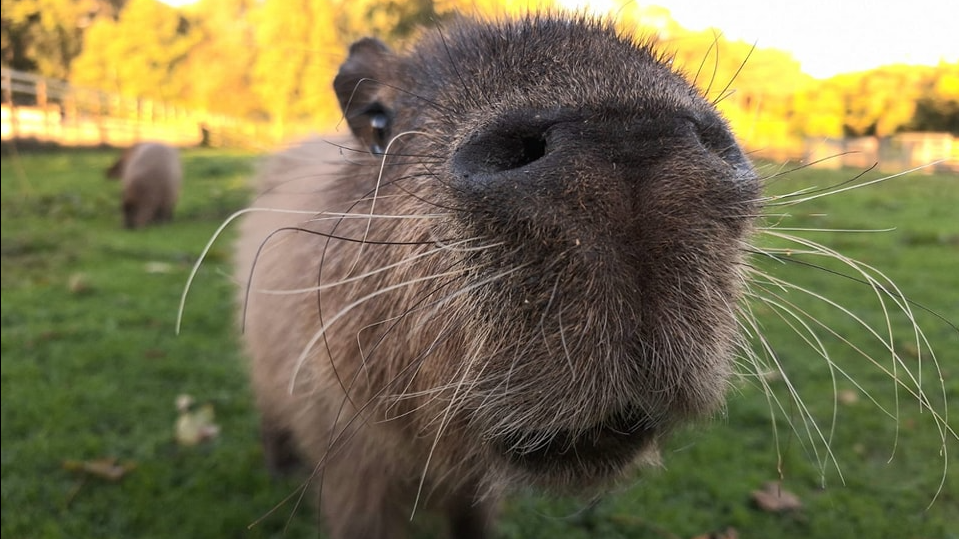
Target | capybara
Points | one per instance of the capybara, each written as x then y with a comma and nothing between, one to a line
150,174
523,269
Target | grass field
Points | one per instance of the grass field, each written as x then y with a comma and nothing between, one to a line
92,368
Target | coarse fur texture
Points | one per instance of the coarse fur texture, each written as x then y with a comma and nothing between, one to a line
150,174
525,268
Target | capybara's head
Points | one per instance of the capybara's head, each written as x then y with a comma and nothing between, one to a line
115,172
526,271
588,216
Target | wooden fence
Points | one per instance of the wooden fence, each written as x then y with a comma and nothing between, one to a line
934,152
50,110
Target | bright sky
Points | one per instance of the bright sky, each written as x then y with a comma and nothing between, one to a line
829,36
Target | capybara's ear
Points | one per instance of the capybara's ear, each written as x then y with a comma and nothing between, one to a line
364,88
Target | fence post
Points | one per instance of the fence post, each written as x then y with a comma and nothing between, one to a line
70,115
8,96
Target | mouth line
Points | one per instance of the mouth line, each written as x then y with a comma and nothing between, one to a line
603,448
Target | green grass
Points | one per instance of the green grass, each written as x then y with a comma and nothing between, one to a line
92,366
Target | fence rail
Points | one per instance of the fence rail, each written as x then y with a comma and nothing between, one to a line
50,110
933,152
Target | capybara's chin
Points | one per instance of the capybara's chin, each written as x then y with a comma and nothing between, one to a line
569,459
523,269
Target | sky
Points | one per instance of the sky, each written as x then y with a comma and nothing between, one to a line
829,37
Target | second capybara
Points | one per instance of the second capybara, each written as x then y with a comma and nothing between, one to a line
150,174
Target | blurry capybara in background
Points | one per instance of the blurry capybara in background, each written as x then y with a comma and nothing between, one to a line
151,174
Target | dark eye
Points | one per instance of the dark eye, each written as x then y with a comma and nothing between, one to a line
379,124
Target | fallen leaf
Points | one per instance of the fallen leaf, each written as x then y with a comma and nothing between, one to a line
848,396
184,402
158,267
78,283
193,427
772,375
106,468
730,533
154,353
773,499
910,350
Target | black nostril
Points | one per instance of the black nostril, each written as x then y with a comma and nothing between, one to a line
533,148
500,151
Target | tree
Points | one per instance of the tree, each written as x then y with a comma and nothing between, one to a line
389,20
44,36
219,67
298,51
820,110
937,109
138,54
882,101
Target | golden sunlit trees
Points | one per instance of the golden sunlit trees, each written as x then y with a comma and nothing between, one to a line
275,60
820,110
388,20
138,54
298,52
44,36
753,87
490,8
937,108
879,102
301,43
217,69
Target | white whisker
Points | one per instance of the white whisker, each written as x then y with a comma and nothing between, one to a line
379,270
345,310
373,198
807,326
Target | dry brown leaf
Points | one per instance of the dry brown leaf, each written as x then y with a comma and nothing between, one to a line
774,499
848,396
78,283
106,468
194,426
730,533
158,267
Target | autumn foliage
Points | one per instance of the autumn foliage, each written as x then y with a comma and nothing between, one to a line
273,60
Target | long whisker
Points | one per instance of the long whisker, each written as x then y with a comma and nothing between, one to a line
885,290
206,250
376,189
792,198
379,270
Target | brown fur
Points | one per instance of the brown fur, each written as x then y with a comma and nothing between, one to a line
536,282
151,174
